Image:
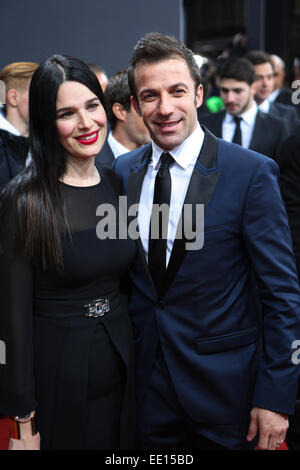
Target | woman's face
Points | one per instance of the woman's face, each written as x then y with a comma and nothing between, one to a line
80,120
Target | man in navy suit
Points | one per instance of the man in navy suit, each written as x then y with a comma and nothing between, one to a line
215,323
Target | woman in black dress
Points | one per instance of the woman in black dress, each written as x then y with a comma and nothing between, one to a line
68,366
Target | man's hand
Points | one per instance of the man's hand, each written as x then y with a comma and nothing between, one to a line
270,426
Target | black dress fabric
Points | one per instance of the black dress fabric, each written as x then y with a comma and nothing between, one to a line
77,372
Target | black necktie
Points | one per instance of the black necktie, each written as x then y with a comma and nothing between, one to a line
237,138
160,220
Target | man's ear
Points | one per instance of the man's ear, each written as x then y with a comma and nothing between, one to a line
199,96
119,111
253,89
12,97
136,106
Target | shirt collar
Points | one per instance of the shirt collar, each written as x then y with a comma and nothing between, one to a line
184,154
265,106
117,147
248,116
6,125
272,97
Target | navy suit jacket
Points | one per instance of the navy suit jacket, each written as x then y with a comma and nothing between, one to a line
207,318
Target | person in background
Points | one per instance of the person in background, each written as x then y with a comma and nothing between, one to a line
100,74
63,320
242,122
14,144
128,130
264,86
282,93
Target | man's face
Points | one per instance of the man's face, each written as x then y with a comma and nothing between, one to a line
263,81
279,75
22,103
135,128
167,101
237,96
103,80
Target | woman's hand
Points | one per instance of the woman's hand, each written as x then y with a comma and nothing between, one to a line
27,440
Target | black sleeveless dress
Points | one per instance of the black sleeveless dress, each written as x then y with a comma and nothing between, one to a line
75,368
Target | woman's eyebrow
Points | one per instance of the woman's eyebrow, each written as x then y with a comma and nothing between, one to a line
72,106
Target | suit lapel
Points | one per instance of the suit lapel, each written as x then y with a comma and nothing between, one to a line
256,134
200,190
261,132
220,116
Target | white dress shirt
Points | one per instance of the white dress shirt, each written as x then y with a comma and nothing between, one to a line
116,147
185,156
272,97
247,126
265,106
6,125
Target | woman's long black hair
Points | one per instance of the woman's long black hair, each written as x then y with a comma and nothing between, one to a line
36,190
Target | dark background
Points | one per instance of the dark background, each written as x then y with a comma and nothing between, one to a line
271,25
105,31
99,31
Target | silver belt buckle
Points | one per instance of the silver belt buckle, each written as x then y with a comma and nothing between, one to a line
96,308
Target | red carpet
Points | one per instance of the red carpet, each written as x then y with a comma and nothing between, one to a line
4,434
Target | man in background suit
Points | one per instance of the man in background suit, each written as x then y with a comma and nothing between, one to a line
203,381
14,119
242,122
282,94
264,86
101,75
128,130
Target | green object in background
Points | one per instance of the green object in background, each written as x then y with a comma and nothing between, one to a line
214,104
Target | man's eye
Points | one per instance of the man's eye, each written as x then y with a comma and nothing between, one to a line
149,97
179,91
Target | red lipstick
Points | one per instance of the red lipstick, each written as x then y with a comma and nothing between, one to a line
88,139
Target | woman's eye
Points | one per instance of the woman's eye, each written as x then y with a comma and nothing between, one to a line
93,106
65,115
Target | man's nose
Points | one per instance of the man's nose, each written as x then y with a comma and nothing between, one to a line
230,96
165,105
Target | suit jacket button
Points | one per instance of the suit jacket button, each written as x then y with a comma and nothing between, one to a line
160,304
